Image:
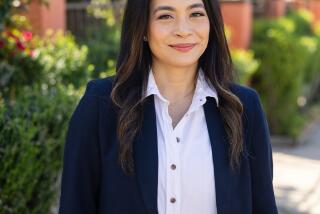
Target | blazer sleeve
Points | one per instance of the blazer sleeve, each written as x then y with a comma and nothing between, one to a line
261,163
81,164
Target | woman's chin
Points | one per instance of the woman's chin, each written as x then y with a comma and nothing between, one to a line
184,63
181,61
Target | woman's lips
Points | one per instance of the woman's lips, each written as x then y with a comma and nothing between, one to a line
183,47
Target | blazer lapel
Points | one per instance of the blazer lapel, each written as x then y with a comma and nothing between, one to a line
146,156
220,146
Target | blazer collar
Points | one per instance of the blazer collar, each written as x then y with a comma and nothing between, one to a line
146,156
203,87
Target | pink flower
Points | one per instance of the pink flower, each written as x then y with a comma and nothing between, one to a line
32,54
27,36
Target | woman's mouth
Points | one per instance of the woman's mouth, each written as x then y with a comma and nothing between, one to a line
183,47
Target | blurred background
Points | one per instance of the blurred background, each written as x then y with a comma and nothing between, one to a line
50,49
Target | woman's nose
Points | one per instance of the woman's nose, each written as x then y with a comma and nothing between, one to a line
183,28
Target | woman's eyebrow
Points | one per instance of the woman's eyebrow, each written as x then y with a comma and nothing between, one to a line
197,5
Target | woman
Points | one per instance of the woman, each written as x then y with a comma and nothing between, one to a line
171,132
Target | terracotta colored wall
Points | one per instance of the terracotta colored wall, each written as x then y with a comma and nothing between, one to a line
297,4
276,8
43,18
314,7
238,17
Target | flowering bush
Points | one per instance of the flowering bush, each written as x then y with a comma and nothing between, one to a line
18,64
15,42
39,82
63,60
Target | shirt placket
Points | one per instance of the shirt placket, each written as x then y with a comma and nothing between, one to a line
172,169
176,143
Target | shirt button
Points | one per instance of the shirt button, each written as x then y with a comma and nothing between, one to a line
172,200
173,166
178,139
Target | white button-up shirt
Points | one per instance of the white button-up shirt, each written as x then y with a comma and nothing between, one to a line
185,166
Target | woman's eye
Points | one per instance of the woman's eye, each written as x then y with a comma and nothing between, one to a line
197,14
164,17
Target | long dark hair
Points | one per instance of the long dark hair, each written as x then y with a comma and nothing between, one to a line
131,78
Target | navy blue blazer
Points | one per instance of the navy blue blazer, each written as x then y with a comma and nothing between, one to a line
93,182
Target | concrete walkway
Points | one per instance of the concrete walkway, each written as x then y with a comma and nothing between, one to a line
297,174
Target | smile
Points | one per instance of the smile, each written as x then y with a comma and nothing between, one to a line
183,47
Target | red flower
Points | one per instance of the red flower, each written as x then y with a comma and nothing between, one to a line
2,43
20,46
27,36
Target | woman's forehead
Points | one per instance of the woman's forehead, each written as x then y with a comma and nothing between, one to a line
175,3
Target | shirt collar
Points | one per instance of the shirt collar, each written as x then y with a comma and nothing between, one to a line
203,88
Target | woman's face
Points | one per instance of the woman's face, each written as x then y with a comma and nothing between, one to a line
178,31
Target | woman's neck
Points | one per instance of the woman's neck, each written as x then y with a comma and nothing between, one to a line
175,82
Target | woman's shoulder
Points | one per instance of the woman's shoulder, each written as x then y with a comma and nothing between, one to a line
247,95
250,99
100,87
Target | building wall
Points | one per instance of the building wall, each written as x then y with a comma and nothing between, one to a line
238,17
51,17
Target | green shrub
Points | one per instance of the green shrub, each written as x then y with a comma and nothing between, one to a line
103,48
289,75
312,45
312,71
245,64
5,9
46,84
32,132
41,80
280,76
302,19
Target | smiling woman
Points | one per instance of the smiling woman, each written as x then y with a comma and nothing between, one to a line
182,28
170,133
